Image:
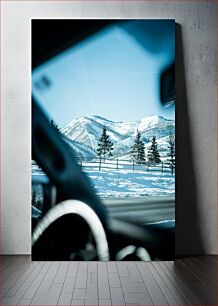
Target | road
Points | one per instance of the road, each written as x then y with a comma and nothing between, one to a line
142,210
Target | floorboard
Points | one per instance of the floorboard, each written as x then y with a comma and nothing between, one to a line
187,281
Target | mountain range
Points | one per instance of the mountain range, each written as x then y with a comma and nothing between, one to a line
82,134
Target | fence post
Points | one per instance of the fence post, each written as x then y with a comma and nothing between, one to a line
133,165
162,167
100,163
117,163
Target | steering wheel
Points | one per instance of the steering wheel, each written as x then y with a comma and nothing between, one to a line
92,242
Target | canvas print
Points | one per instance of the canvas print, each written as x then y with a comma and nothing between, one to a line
103,140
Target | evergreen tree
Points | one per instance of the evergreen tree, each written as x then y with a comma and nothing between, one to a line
55,125
171,154
153,153
105,145
138,150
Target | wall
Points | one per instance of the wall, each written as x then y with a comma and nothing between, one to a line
196,113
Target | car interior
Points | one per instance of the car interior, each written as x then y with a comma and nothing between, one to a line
73,223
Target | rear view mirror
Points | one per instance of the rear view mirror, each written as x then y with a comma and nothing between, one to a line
167,86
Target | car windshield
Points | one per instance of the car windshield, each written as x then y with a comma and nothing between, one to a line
103,96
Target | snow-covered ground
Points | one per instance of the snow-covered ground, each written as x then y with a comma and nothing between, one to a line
122,183
125,183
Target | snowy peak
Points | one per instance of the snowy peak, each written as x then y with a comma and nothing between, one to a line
99,118
151,121
85,132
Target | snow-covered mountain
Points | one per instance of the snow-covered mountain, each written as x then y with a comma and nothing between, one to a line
83,134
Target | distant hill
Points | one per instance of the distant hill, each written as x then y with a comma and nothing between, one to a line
82,134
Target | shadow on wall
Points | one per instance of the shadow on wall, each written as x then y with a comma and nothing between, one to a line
188,227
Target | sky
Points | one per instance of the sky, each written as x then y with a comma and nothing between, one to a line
114,74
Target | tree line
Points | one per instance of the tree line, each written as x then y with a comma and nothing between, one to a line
105,149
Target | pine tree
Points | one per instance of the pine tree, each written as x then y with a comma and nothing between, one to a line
171,154
138,150
105,145
153,153
55,125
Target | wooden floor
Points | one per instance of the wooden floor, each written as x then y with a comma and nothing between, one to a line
188,281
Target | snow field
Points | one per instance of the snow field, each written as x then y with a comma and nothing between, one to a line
125,183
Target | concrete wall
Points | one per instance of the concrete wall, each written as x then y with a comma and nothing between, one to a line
196,113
